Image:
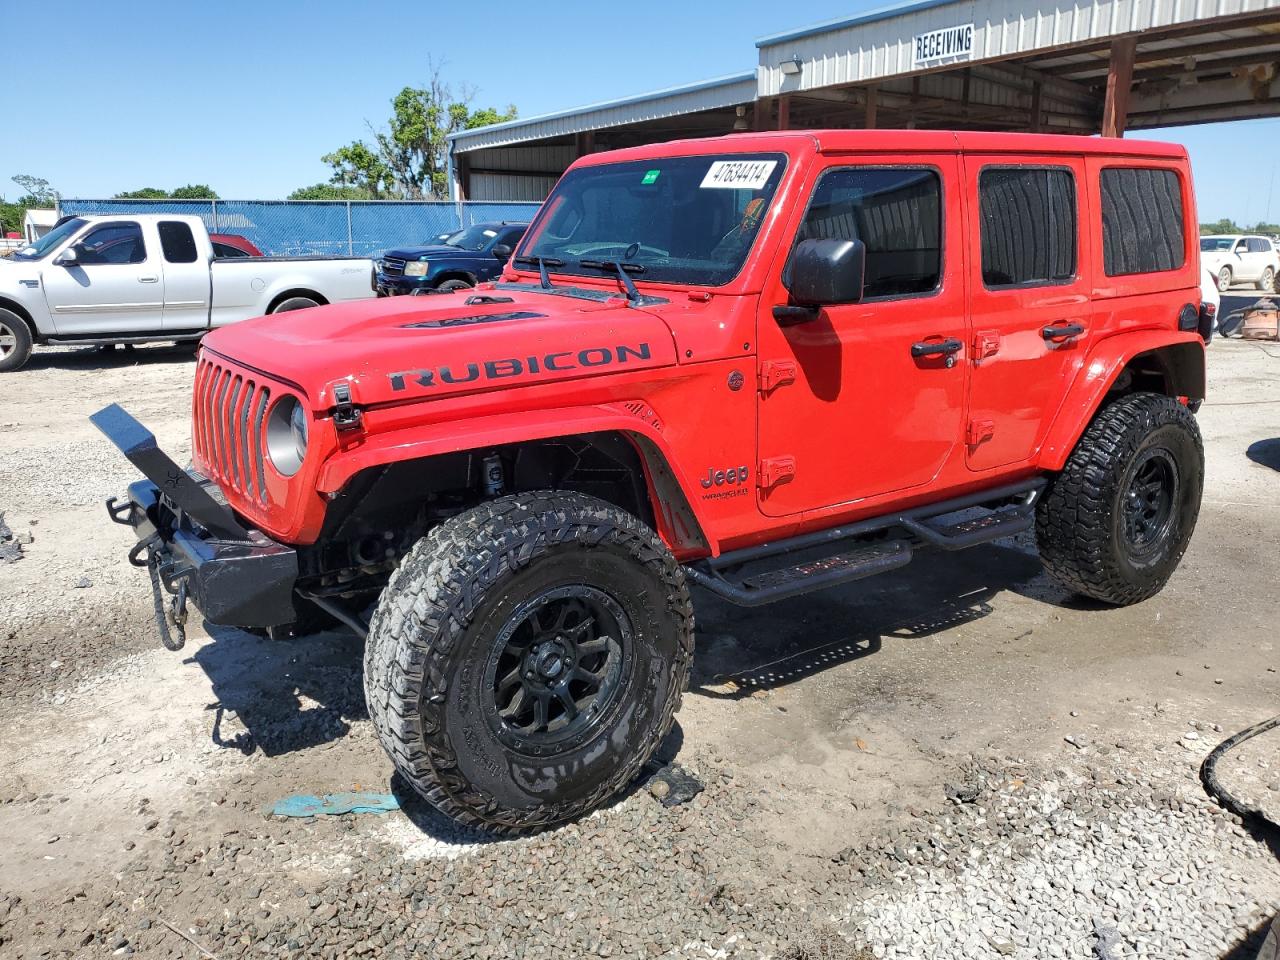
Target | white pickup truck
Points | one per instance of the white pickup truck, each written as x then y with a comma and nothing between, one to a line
137,279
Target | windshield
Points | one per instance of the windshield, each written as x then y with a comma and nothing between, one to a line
685,220
472,238
1216,243
51,240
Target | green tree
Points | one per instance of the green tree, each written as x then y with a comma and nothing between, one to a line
407,160
195,191
38,191
330,191
146,193
1225,225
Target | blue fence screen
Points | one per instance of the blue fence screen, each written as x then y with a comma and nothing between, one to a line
364,228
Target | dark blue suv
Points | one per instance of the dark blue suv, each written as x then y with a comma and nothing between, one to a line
463,259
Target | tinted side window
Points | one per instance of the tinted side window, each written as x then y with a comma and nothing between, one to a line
1028,225
177,242
112,243
1142,221
896,213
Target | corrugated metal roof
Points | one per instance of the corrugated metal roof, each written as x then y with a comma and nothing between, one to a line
689,98
881,44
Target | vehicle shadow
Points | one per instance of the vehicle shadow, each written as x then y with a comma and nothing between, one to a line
92,358
742,650
280,696
1265,452
1259,942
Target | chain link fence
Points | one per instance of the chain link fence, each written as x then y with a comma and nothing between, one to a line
363,228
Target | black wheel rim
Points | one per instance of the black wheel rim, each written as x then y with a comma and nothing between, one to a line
1149,501
556,669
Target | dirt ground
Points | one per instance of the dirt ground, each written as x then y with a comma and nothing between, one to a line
134,781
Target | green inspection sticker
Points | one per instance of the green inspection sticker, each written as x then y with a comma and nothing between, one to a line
651,176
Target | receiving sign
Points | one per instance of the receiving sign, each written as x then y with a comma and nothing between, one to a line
948,44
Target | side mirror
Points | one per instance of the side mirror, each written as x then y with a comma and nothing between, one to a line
502,252
823,272
67,258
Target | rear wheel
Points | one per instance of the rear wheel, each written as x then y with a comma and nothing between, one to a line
527,658
15,341
295,303
1116,521
1267,281
1224,279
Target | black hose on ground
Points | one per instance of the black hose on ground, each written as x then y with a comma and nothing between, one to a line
1209,775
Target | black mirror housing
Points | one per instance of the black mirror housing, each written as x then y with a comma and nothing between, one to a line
501,251
826,272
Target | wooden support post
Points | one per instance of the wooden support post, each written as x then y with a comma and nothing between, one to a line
761,114
1037,120
585,142
1115,108
964,93
784,112
872,98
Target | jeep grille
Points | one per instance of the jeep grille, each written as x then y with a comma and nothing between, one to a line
230,408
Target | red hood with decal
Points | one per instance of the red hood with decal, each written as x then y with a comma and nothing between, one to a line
409,348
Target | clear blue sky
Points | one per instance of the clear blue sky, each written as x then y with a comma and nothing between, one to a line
247,96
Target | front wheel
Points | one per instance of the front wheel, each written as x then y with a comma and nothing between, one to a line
1116,521
1224,279
15,341
527,657
450,285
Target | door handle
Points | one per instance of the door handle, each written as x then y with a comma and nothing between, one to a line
939,348
148,278
1064,332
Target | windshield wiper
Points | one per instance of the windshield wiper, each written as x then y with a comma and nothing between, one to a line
623,270
542,264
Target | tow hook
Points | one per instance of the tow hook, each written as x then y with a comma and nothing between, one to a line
167,578
346,415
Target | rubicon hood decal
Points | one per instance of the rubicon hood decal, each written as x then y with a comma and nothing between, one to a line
506,367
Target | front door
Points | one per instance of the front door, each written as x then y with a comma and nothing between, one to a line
1029,299
114,286
848,409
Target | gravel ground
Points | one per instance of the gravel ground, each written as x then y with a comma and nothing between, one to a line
956,762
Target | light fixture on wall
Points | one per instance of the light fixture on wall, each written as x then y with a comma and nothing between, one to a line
741,122
791,67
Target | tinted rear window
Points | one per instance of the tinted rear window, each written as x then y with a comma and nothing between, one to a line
1141,221
177,241
1028,226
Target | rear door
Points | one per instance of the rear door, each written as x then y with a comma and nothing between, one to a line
186,277
114,286
848,409
1030,300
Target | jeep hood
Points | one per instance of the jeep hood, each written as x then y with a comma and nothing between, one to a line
410,348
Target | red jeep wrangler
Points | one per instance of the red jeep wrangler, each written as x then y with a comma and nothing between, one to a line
763,364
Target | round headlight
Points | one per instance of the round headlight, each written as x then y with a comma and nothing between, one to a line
287,435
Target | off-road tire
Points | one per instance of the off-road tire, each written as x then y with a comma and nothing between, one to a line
295,303
449,285
15,341
1080,521
444,613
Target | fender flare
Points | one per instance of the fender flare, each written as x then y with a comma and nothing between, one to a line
681,523
1179,355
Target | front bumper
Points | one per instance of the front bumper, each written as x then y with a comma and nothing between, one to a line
235,576
389,286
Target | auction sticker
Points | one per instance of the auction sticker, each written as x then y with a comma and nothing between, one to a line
739,174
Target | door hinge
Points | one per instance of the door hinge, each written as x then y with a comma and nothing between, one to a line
775,470
986,343
776,373
980,430
346,415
